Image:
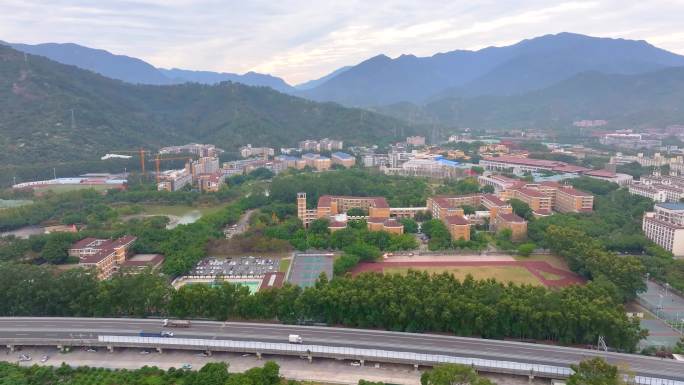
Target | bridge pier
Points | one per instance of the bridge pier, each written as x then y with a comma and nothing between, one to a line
363,362
208,352
160,351
11,348
530,378
110,349
258,355
62,348
415,367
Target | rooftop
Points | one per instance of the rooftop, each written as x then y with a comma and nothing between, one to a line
342,155
671,206
456,220
510,217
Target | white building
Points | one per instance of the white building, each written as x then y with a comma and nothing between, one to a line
665,227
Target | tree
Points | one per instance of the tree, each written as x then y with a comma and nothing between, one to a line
410,225
357,212
487,189
521,208
319,227
213,373
526,249
595,371
452,374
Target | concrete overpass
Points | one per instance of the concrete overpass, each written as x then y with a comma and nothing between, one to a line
357,344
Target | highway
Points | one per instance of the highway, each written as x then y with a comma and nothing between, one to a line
86,328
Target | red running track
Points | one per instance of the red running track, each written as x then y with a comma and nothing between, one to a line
534,267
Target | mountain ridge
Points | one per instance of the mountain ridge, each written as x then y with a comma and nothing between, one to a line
137,71
527,65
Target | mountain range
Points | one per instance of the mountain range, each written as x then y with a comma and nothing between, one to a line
526,66
38,98
136,71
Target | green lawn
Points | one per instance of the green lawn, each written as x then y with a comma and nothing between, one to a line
284,265
178,210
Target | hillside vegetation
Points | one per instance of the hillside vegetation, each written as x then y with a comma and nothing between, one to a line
37,97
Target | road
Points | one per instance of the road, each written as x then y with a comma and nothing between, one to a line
53,328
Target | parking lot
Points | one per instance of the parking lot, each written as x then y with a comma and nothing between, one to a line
243,267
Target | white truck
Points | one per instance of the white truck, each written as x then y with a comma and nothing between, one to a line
175,323
295,339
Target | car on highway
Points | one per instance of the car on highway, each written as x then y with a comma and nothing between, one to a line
145,352
45,358
202,355
24,357
355,363
166,334
91,350
186,366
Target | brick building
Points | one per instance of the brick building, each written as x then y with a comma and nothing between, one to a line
105,255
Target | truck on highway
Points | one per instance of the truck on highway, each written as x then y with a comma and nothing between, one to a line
155,334
295,339
176,323
149,334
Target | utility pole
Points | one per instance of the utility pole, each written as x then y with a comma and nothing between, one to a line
602,344
73,120
54,172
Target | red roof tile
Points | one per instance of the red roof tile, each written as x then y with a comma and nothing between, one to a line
456,220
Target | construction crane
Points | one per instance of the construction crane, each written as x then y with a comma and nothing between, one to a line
141,153
158,159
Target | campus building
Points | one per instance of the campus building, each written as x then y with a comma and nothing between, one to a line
547,196
321,145
510,221
317,161
520,164
449,209
343,159
105,255
665,227
248,151
659,188
335,208
415,140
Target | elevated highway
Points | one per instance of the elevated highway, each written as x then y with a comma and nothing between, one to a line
370,345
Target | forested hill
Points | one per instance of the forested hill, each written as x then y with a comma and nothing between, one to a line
37,97
641,100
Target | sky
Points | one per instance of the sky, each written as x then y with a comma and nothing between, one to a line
300,40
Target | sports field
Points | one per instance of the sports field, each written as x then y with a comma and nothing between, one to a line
515,274
548,271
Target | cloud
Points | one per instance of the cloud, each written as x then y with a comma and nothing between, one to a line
301,40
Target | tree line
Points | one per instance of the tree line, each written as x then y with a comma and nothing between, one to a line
415,302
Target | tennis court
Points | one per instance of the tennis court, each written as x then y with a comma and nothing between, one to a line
306,268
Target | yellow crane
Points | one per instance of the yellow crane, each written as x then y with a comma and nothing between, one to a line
141,153
158,159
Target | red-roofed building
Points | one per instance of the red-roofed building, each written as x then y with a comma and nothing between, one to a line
105,255
459,227
516,224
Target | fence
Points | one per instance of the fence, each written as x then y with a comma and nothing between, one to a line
496,366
